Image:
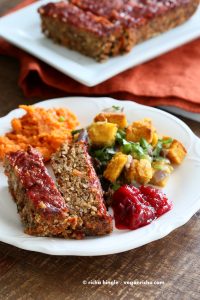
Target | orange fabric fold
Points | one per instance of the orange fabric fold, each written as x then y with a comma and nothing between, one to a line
172,79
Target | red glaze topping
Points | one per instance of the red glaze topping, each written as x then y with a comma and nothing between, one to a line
134,208
39,186
150,8
128,12
100,8
72,14
105,16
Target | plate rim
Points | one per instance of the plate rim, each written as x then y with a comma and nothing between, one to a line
26,245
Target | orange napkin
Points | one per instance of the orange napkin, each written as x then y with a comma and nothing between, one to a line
172,79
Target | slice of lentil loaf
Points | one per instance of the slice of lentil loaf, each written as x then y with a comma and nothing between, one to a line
42,209
80,187
159,16
116,11
80,30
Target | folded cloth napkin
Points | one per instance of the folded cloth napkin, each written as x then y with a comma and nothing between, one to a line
172,79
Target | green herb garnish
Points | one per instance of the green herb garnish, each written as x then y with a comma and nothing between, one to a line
126,147
159,146
73,132
134,149
168,141
158,149
137,150
158,167
117,107
162,159
146,146
115,186
104,154
61,119
120,136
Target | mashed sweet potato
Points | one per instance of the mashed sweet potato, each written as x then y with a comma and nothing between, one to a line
45,129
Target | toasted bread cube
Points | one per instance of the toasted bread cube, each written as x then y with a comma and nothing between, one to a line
116,118
161,172
115,166
102,133
176,152
140,129
140,171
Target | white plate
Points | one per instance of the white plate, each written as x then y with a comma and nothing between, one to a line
182,112
22,28
182,188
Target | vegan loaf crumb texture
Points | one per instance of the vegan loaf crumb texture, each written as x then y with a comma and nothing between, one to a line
80,187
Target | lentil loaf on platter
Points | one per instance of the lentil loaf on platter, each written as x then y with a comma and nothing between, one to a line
105,28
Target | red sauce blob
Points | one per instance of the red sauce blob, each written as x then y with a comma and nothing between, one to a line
37,183
136,207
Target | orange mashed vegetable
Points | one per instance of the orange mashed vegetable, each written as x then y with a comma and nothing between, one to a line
45,129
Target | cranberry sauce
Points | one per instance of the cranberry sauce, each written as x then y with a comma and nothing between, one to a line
136,207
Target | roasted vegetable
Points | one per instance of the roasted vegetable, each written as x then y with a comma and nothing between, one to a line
163,143
138,150
118,118
161,171
115,167
140,129
139,171
102,134
176,152
132,154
